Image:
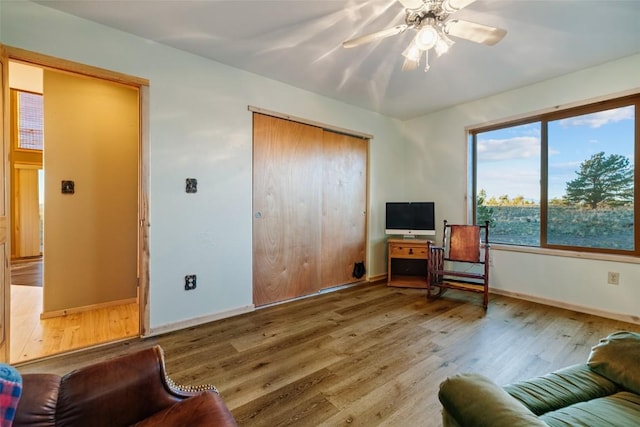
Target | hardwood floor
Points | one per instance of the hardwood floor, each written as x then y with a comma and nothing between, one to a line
363,356
33,338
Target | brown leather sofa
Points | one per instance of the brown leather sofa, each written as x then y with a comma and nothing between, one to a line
128,390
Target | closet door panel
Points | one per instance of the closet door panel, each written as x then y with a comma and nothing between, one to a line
287,211
343,207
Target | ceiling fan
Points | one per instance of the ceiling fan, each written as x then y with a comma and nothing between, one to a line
430,19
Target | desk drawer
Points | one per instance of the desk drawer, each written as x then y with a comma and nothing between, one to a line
401,251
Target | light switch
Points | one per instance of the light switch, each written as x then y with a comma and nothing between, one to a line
192,185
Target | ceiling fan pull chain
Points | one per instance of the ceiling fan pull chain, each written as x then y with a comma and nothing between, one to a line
426,61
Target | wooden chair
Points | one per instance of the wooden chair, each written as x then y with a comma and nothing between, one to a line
462,262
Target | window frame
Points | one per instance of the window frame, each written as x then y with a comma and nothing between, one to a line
544,118
15,124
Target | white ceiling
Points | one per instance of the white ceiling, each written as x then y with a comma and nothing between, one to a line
298,42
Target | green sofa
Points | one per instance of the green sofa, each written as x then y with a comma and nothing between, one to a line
604,392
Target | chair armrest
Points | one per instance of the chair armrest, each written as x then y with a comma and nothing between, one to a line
473,400
202,410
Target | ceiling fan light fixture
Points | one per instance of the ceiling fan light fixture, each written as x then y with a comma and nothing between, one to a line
412,52
426,38
430,20
443,44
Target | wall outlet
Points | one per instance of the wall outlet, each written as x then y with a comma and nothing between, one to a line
189,282
613,278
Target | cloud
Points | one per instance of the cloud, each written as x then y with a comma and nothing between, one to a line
521,147
601,118
569,165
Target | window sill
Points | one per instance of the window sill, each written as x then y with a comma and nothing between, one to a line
563,253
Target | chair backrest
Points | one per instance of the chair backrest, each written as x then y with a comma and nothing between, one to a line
463,242
110,393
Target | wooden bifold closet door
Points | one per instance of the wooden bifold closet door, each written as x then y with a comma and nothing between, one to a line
309,204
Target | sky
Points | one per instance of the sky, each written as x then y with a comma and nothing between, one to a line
509,159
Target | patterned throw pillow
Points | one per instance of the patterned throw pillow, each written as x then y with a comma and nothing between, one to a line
10,391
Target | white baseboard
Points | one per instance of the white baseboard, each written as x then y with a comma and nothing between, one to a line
378,278
199,320
629,318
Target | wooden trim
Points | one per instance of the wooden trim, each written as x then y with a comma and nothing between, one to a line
66,312
378,278
324,126
46,61
4,224
5,208
27,165
51,62
629,318
598,256
524,117
143,214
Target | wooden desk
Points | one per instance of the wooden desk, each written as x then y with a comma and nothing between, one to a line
407,262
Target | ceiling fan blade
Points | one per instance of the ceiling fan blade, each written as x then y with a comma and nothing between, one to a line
474,32
410,64
412,4
451,6
375,36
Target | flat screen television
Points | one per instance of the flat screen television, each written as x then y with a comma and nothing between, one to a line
410,219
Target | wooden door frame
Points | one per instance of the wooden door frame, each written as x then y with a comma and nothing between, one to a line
45,61
5,279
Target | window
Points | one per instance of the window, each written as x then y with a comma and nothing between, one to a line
562,180
30,121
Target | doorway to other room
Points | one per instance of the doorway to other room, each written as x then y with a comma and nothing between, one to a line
74,211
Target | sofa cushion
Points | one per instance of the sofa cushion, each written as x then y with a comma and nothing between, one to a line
616,357
204,409
561,388
618,410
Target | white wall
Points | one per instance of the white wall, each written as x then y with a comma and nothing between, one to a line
441,137
200,128
25,77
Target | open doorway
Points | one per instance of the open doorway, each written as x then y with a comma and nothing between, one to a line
65,293
27,186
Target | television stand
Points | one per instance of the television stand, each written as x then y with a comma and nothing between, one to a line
407,262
